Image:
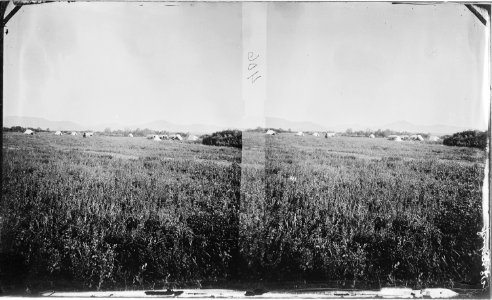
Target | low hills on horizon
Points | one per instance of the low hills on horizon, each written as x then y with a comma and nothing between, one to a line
36,122
270,122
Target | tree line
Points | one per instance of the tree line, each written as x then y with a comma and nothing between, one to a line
22,129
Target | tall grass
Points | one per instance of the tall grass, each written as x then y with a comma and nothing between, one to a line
103,221
361,209
117,212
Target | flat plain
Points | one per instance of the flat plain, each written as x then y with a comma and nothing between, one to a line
130,212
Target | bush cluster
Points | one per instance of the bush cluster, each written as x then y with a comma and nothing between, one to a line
470,138
227,138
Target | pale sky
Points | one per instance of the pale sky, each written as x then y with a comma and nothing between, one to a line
328,63
375,63
129,63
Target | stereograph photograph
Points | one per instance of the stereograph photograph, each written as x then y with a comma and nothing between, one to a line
158,149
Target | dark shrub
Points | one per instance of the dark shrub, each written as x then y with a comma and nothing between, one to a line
14,129
470,138
227,138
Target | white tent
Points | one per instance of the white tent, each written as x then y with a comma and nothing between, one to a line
130,135
155,137
88,134
300,133
315,134
192,138
175,137
395,138
330,134
29,131
419,137
433,138
58,133
271,132
372,136
74,133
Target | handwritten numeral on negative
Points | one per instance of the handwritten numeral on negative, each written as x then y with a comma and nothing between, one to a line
253,67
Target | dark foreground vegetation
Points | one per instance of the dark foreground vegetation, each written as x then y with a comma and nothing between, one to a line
102,219
470,138
365,210
112,212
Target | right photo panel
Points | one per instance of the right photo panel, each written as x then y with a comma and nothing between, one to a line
375,146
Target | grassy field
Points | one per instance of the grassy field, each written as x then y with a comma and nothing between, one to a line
367,209
129,212
109,211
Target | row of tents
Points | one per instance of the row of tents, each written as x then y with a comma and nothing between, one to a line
397,138
84,134
300,133
178,137
415,137
173,137
155,137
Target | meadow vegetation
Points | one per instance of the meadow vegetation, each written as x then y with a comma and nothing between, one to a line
364,209
107,212
117,211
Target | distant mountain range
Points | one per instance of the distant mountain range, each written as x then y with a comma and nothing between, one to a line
271,122
34,122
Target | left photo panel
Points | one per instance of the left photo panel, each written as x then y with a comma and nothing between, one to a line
121,156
